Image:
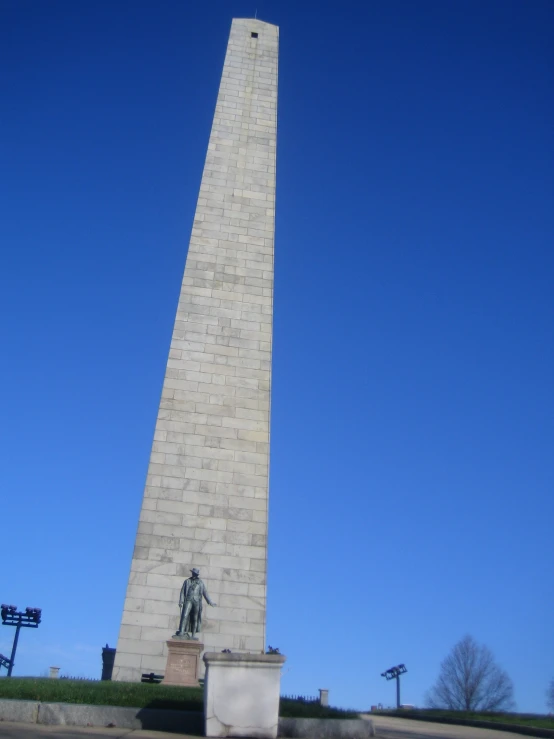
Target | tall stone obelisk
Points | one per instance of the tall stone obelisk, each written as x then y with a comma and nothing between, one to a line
206,496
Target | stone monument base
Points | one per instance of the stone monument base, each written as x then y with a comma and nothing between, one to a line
241,694
183,659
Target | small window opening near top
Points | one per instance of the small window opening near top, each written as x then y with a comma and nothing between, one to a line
254,34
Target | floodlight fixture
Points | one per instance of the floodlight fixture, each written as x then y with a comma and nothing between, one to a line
394,673
30,618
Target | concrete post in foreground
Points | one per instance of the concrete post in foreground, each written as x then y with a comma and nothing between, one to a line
323,697
206,496
241,694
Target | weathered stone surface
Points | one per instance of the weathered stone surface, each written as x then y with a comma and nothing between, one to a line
66,714
206,496
241,694
14,710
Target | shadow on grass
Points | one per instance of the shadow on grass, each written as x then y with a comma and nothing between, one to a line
301,708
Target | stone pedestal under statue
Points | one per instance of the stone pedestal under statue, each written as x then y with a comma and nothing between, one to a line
183,661
241,694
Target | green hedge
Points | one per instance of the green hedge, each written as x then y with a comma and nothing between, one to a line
298,708
140,695
102,693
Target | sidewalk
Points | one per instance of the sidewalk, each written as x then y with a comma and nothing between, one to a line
12,730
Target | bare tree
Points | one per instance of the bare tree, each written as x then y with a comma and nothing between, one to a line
550,695
470,680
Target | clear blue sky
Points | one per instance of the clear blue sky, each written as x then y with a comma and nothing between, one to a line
412,418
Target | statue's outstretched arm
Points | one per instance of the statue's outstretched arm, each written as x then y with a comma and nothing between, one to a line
207,597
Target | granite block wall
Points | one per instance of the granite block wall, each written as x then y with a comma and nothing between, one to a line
206,496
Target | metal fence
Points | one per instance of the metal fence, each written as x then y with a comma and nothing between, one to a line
301,698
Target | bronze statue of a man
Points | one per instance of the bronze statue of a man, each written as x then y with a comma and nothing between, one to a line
190,603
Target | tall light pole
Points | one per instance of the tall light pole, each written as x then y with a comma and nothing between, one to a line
30,617
392,673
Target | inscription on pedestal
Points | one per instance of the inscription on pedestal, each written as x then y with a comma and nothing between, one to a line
185,666
183,657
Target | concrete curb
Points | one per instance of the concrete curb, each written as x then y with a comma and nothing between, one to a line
178,722
77,714
23,711
514,728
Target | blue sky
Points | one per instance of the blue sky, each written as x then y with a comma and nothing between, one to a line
412,411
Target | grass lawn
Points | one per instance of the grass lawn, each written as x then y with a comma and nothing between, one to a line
140,695
298,708
522,719
102,693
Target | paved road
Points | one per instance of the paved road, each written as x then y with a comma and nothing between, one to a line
9,730
387,727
